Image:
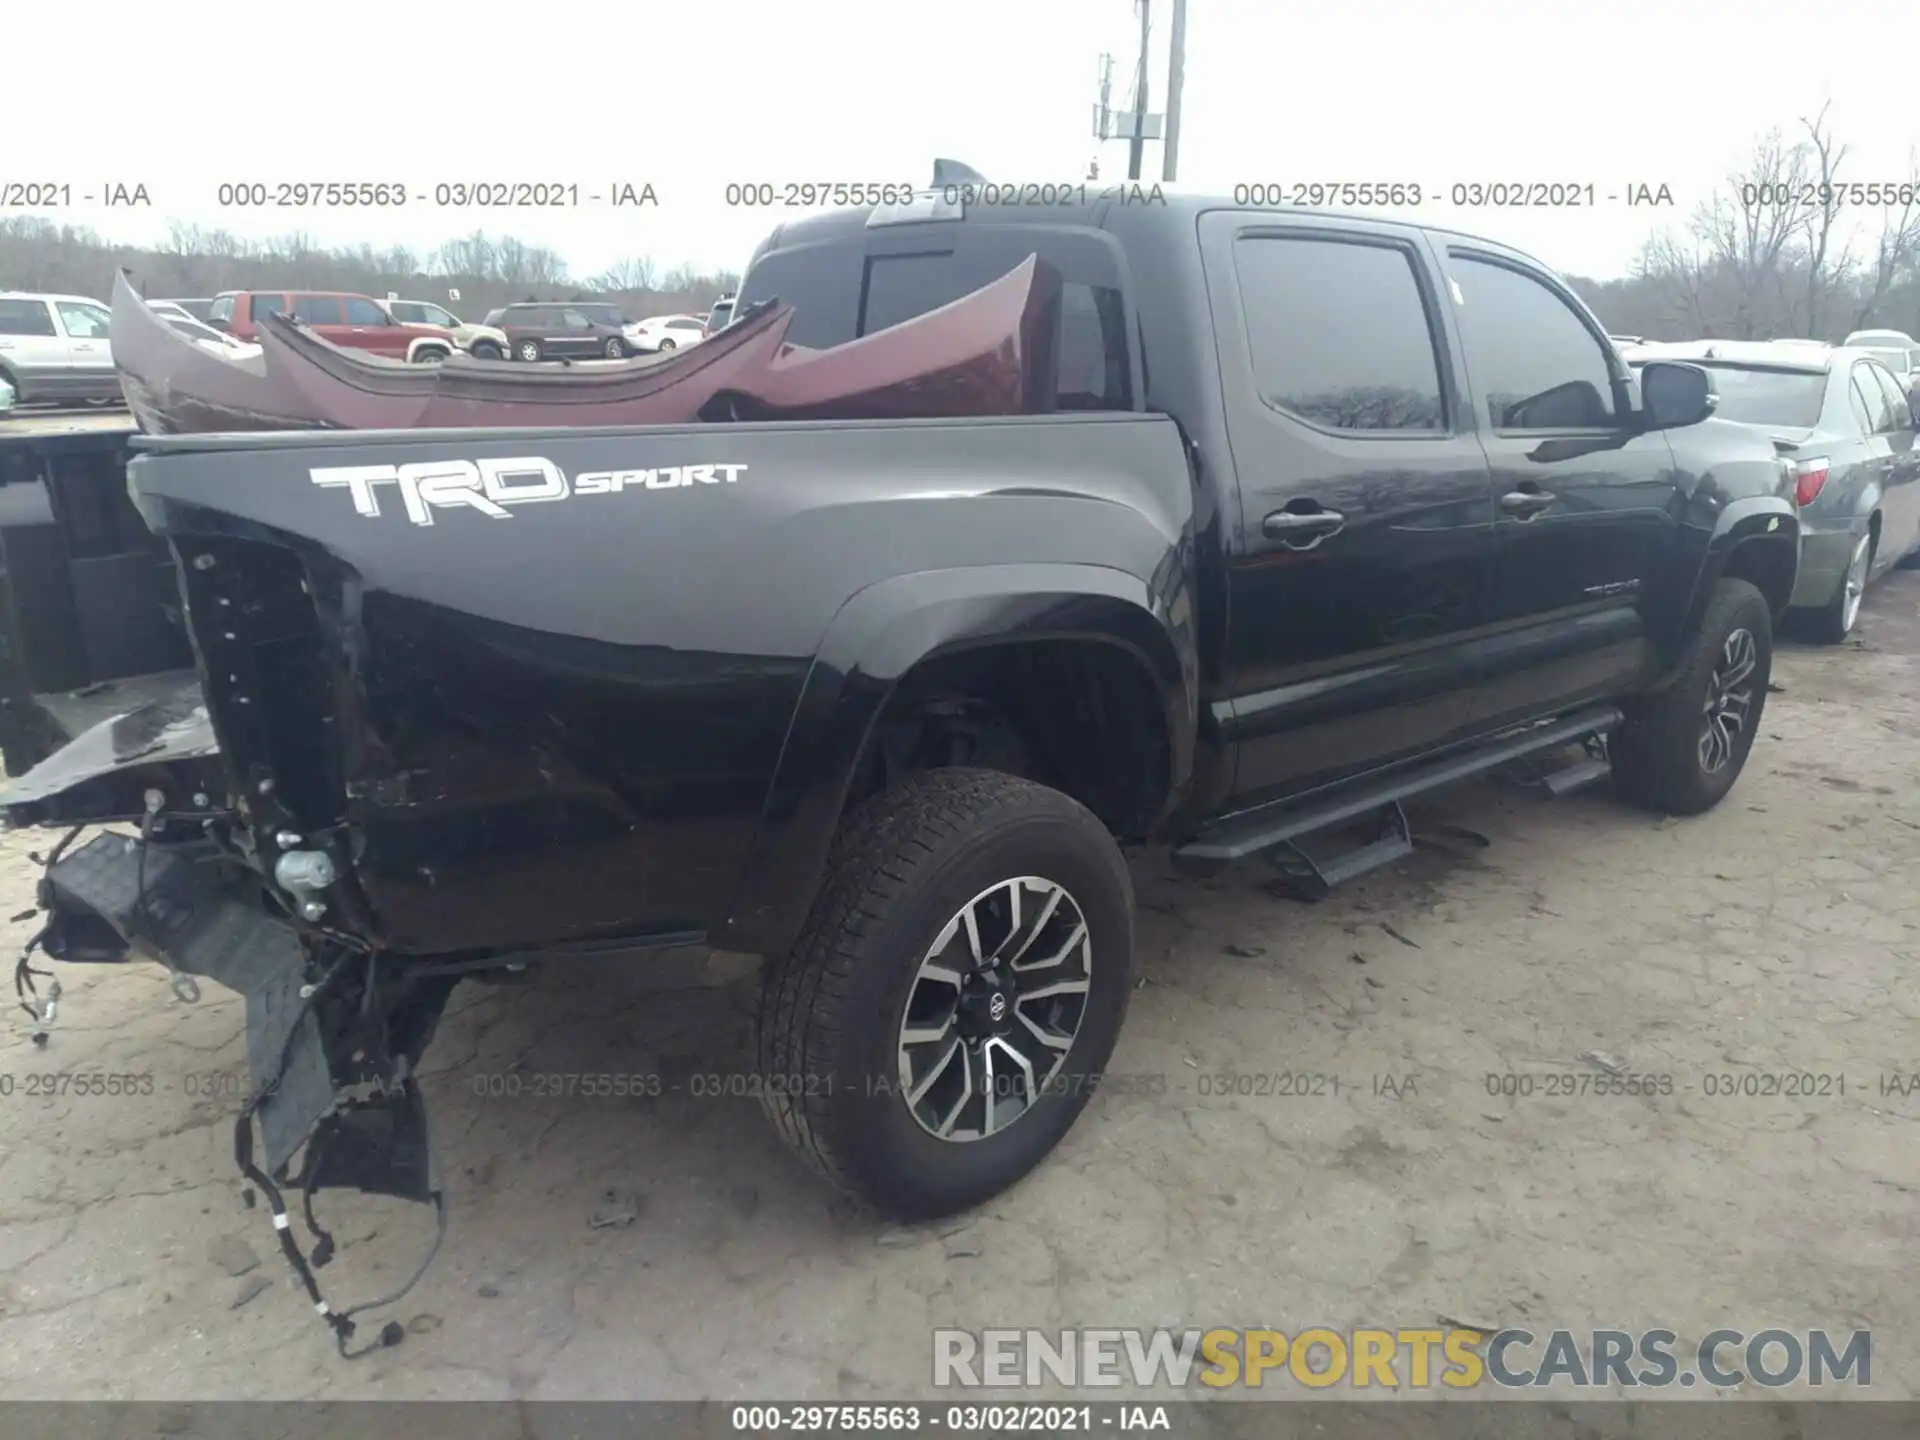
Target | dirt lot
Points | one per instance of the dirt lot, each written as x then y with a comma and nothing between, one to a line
1778,934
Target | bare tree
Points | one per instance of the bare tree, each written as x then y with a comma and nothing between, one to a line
635,273
1820,217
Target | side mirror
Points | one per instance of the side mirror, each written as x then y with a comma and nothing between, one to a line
1674,395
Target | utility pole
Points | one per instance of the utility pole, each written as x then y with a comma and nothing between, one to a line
1136,150
1176,75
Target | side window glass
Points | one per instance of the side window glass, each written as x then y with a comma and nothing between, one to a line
269,305
82,322
1339,333
574,320
1535,363
1857,402
317,309
364,312
1879,412
1899,413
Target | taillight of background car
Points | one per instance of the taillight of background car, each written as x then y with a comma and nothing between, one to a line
1808,477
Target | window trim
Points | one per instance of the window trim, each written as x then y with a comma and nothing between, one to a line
1450,408
1863,415
1621,422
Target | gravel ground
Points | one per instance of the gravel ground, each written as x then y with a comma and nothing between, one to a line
1777,934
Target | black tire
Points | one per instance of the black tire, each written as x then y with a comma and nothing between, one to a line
616,348
666,345
1656,754
527,350
903,865
1834,621
430,355
486,350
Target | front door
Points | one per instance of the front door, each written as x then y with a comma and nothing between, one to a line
375,330
576,335
89,356
1363,554
1589,504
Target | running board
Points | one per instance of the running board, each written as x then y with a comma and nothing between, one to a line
1275,827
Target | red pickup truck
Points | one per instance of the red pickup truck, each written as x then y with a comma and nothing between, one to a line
355,322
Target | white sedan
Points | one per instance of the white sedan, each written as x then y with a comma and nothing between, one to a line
665,332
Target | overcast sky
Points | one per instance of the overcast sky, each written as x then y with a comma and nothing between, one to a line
692,96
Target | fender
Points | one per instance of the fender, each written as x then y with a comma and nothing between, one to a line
885,630
430,342
1754,519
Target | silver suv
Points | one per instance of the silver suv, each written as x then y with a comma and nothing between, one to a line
54,347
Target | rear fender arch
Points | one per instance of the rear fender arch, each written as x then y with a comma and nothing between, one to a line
1769,521
876,639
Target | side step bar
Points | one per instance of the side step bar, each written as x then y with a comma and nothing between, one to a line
1279,827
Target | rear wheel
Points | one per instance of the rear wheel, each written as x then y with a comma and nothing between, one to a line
946,1012
1835,620
1682,747
528,350
667,345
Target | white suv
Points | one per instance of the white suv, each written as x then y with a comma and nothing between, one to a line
54,347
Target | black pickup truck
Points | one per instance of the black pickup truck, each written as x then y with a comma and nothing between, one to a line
1331,511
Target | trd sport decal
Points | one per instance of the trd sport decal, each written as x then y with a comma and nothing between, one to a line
490,486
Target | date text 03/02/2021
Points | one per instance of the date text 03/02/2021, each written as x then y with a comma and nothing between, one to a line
1459,194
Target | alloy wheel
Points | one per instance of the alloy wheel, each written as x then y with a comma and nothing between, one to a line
1729,704
994,1008
1856,583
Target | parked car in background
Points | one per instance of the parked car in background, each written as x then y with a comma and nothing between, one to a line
667,332
564,330
356,322
483,342
54,347
720,316
1895,349
1846,421
217,342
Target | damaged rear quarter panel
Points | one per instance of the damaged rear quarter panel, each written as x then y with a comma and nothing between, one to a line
564,691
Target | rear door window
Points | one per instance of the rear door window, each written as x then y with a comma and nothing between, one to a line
841,292
318,309
1899,413
1879,406
25,317
268,305
1340,332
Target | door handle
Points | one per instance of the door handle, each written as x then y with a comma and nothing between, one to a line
1298,531
1525,502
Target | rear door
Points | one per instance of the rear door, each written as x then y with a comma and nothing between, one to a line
89,356
1900,469
33,351
1588,532
576,335
1362,561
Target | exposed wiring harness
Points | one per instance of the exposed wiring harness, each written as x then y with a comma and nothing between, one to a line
340,1321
